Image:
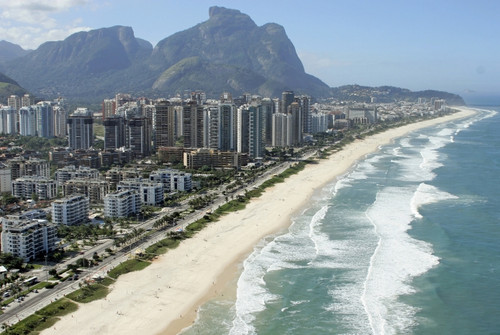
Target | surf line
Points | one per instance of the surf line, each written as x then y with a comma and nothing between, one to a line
369,273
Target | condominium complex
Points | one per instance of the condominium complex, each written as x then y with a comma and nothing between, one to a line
70,210
71,172
21,167
122,204
28,238
30,186
172,180
151,193
94,189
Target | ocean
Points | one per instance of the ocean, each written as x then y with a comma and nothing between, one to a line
406,242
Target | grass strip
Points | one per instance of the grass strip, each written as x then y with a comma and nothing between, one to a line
128,266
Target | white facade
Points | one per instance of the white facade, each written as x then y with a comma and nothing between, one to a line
71,172
172,180
151,193
28,238
5,178
122,204
282,130
26,187
8,120
319,123
60,121
71,210
27,121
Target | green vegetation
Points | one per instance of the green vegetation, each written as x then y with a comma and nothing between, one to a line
42,319
89,293
10,261
128,266
163,246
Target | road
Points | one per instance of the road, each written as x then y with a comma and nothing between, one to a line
35,301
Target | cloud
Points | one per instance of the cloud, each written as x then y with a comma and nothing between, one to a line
29,23
316,62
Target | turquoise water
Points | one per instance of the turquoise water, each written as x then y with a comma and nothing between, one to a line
405,243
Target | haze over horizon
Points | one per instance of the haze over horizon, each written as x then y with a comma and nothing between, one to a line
447,46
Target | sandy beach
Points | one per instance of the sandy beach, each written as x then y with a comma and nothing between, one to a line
164,297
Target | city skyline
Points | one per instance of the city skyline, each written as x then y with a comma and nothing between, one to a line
448,46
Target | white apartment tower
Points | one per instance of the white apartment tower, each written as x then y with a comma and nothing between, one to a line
70,210
27,121
122,204
28,238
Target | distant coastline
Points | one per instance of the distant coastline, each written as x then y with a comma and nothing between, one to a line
164,298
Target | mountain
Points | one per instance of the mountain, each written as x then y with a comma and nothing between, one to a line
8,87
255,59
228,52
9,51
86,65
390,94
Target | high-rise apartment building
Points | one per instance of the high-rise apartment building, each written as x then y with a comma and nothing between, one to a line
108,108
304,102
287,97
296,112
14,101
44,119
193,125
60,122
242,125
80,129
268,111
27,121
5,178
138,136
256,140
282,130
226,127
27,100
8,120
164,124
114,132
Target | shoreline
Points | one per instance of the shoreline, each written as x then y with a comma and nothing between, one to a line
164,297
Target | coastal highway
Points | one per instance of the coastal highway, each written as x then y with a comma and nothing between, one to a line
35,301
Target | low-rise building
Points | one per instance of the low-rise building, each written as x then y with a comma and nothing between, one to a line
195,159
71,210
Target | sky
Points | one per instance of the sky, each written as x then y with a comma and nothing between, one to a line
447,45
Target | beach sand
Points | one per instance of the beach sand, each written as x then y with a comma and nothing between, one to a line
164,297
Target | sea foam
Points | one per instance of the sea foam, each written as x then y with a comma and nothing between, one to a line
427,194
397,259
